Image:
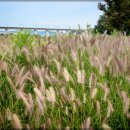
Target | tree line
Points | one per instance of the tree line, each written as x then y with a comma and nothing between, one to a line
116,16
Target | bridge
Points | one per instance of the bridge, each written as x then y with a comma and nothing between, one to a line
30,28
4,28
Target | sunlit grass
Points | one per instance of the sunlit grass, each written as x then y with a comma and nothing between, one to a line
71,82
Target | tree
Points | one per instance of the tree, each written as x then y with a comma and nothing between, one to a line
116,15
100,27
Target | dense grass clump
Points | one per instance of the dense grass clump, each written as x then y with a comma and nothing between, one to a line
65,82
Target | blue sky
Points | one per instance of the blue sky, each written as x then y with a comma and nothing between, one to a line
49,14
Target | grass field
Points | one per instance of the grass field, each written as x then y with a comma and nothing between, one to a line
65,82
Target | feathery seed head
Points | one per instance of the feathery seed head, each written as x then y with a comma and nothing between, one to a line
16,123
98,108
72,94
93,93
79,76
86,124
110,108
106,126
66,75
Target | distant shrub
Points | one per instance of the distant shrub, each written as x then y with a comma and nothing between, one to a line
115,32
23,38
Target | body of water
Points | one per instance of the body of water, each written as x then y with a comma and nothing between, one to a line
41,33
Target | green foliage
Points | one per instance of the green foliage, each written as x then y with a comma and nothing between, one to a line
88,27
100,27
115,32
23,38
91,30
116,15
79,30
